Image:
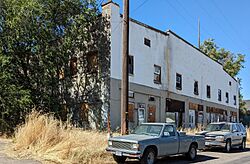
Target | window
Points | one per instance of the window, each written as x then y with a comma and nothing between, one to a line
219,95
196,91
230,83
227,97
208,91
234,100
169,131
157,74
178,81
147,42
73,66
131,65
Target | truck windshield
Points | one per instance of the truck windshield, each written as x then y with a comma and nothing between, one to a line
152,130
218,127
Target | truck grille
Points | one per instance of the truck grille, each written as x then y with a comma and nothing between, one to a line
122,145
210,138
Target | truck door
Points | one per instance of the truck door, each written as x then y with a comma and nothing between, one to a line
169,142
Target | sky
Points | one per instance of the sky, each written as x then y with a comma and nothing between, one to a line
225,21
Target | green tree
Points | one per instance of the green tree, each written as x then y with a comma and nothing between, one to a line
232,63
39,38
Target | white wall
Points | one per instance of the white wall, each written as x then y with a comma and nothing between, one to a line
144,57
183,58
195,66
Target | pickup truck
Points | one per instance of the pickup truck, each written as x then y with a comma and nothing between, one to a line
225,135
150,141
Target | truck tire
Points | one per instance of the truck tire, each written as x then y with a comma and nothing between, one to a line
119,159
149,156
228,146
192,152
243,144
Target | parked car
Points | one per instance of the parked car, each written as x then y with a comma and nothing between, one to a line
225,135
150,141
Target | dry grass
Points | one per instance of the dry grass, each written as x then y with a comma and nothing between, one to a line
44,138
248,135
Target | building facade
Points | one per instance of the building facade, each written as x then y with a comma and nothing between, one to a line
170,80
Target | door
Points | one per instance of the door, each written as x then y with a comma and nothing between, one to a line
131,108
141,115
236,138
151,113
192,118
169,142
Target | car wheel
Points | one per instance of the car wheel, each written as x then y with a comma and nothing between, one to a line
228,146
243,144
149,156
192,152
119,159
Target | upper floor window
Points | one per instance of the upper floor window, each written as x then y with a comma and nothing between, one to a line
147,42
227,97
178,81
234,100
230,83
219,94
131,65
208,91
157,74
196,89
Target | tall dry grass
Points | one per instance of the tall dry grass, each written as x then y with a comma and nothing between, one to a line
44,138
248,135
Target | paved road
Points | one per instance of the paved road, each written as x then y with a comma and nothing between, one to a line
215,156
4,159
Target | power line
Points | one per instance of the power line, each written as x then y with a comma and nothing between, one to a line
214,20
143,3
203,28
191,25
228,22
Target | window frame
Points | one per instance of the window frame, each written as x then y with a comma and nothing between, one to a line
219,94
208,91
227,97
157,74
130,58
196,88
147,42
235,103
176,81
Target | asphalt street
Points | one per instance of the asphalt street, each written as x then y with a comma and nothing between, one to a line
214,156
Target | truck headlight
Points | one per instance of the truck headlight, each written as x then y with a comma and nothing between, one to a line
110,143
219,138
135,146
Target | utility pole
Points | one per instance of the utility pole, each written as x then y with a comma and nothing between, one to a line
124,82
199,43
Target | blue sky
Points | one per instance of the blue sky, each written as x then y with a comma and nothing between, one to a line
226,21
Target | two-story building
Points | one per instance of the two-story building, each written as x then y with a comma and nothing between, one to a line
170,80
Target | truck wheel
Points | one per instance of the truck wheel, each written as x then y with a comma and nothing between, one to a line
243,144
192,152
149,156
228,146
119,159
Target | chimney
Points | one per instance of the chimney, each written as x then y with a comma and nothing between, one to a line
112,10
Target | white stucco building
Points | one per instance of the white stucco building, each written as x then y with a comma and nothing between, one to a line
170,79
